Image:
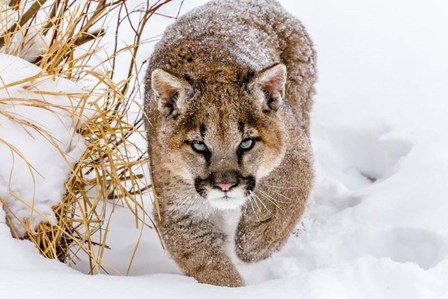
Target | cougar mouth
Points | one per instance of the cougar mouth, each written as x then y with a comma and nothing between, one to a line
203,186
225,199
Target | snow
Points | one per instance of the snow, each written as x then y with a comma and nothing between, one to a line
38,142
27,43
376,223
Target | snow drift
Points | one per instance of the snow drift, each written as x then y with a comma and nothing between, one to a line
39,116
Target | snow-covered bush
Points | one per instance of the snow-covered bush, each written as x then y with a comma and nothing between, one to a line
40,116
67,155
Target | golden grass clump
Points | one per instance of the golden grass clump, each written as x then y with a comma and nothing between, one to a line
110,173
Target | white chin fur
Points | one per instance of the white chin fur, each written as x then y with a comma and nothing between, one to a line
219,200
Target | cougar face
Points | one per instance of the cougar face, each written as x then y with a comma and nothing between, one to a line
221,138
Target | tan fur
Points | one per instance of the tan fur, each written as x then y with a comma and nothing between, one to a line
228,71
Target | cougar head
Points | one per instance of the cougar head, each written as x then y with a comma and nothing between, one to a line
221,138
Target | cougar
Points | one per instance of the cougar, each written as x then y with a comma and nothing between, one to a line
228,95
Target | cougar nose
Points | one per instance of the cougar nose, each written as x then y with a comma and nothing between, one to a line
225,186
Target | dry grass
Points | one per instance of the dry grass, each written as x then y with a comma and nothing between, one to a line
109,174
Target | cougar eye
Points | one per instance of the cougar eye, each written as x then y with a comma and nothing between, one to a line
199,146
247,144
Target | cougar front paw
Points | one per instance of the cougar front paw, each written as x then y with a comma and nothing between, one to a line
256,243
226,276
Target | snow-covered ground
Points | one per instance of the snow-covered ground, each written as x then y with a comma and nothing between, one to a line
377,224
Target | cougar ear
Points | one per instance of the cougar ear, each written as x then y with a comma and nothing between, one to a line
269,86
170,92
